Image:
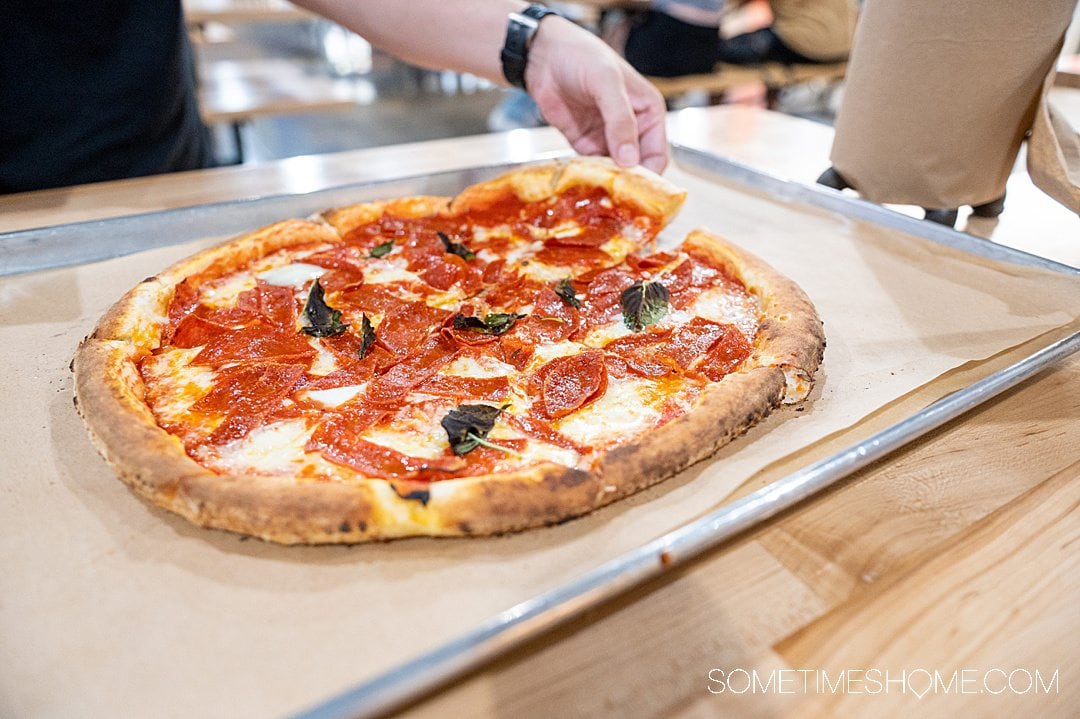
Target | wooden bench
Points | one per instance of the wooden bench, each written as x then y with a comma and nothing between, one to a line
773,75
237,92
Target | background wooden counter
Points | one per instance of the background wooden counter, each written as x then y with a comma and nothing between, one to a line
960,552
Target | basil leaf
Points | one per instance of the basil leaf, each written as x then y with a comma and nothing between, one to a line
643,304
324,320
367,335
496,323
456,248
383,249
565,290
467,425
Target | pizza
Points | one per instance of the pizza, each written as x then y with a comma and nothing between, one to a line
515,356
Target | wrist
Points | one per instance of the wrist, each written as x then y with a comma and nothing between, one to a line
522,29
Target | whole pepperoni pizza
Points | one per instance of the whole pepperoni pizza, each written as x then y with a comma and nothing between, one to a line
512,357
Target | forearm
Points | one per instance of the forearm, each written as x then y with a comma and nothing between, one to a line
461,35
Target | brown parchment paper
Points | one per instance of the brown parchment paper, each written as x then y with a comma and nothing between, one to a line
110,607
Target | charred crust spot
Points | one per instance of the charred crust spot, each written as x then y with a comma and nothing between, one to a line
151,278
361,525
423,496
71,365
75,400
465,527
344,527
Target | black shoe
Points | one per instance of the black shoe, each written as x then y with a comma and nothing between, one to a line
942,217
989,209
832,178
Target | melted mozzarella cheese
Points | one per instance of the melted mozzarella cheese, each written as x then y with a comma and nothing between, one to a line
546,353
333,397
610,332
513,255
382,271
536,452
620,246
174,384
719,305
480,367
224,293
295,275
542,272
417,435
627,408
276,448
325,361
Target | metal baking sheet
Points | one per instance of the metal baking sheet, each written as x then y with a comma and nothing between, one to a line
39,249
530,618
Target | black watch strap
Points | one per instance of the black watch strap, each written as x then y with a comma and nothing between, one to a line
520,28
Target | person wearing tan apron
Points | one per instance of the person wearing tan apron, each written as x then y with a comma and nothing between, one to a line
938,98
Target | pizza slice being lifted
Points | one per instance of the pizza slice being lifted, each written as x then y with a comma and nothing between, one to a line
514,356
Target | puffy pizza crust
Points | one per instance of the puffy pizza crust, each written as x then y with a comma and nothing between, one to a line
637,187
109,396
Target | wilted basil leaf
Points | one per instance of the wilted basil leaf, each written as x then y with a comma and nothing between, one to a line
367,335
456,248
384,248
467,425
324,320
643,304
496,323
565,290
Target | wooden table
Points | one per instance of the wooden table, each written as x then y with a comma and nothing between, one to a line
960,552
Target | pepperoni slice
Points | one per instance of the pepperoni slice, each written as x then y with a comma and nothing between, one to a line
694,339
408,325
551,320
389,390
375,460
342,257
246,394
651,262
514,351
725,354
490,389
196,330
257,342
372,298
603,292
275,304
339,427
569,383
335,281
512,292
185,299
541,429
579,257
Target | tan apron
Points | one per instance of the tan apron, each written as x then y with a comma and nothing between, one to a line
939,96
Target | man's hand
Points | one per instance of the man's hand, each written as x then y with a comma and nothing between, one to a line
591,95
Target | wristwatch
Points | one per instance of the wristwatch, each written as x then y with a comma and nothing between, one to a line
520,28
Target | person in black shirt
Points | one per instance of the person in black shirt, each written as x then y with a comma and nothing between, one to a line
96,91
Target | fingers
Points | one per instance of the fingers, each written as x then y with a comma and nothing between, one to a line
652,125
620,122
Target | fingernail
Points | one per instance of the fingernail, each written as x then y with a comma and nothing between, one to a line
626,155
